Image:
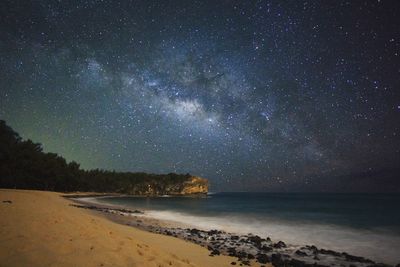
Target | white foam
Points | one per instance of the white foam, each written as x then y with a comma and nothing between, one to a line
378,244
98,200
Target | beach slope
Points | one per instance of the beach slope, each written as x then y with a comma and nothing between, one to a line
41,229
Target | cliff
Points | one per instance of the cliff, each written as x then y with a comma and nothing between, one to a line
186,186
195,185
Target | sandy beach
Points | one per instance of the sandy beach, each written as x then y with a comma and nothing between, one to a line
40,228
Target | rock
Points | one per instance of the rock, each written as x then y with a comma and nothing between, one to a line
194,231
233,263
262,258
301,253
312,248
234,237
241,255
256,240
329,252
297,263
356,258
247,263
232,252
266,248
215,252
213,232
7,201
276,260
280,244
168,233
250,256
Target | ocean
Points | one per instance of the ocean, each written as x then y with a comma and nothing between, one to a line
365,225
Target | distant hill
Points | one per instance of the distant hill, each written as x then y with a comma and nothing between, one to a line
24,165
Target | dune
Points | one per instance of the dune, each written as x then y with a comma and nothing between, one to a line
40,228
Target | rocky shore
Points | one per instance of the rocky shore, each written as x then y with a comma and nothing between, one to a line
263,250
245,248
118,211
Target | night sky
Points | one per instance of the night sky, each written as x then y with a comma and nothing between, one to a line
254,95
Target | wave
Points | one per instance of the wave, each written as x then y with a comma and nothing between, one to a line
101,200
379,244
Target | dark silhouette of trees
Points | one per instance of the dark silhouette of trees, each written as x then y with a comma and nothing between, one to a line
24,165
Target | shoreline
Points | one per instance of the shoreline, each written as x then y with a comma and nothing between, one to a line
41,228
245,248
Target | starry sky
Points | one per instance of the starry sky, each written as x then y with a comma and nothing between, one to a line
254,95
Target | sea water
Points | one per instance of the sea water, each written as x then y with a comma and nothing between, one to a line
361,224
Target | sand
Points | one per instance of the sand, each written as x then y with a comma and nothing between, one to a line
41,229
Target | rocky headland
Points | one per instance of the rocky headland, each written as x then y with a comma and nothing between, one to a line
190,186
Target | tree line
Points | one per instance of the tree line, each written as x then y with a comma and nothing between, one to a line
24,165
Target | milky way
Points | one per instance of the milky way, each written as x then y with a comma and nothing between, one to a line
254,95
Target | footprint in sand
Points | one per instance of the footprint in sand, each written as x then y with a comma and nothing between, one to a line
150,258
174,256
186,261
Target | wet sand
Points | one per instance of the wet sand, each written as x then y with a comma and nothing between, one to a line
40,228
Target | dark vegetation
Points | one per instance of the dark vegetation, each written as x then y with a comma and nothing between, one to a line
24,165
